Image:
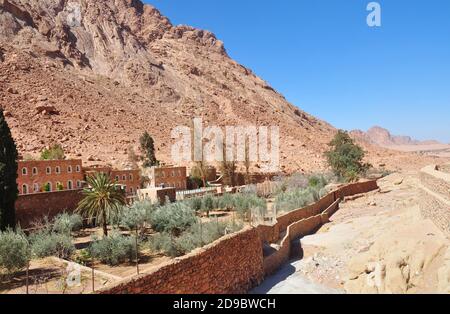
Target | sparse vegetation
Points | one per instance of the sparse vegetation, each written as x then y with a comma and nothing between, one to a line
196,236
173,218
54,152
113,249
300,196
346,158
46,243
66,223
14,251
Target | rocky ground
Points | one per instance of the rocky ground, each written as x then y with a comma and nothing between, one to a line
378,243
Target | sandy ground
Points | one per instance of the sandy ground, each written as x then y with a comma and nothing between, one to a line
437,150
378,243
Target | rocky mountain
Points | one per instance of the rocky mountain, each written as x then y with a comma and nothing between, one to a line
94,75
382,137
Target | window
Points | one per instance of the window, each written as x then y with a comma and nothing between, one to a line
173,173
58,170
34,171
131,190
48,170
179,173
79,184
124,178
36,188
69,185
117,178
24,189
78,168
24,171
163,174
131,177
69,169
49,187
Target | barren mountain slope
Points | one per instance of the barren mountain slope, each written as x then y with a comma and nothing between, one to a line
95,84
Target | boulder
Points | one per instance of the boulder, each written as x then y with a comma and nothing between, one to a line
46,109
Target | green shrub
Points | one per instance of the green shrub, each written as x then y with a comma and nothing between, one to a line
45,244
14,251
46,187
173,218
196,203
346,158
207,204
113,249
66,223
135,216
55,152
163,243
196,236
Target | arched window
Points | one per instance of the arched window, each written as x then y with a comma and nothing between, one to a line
131,190
79,184
78,169
58,170
124,178
131,177
69,169
34,171
24,189
70,185
36,188
117,178
48,187
24,171
48,170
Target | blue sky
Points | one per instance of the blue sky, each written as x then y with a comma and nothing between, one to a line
325,59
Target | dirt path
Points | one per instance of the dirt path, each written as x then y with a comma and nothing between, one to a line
289,280
378,243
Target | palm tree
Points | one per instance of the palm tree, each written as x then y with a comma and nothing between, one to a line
102,199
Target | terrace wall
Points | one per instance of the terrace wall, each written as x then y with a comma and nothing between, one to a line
233,264
435,196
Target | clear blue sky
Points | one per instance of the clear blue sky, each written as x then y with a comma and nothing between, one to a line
325,59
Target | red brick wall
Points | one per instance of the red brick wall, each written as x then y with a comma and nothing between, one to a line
233,264
36,173
169,177
130,178
32,207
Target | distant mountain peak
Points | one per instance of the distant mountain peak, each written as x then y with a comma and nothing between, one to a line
382,137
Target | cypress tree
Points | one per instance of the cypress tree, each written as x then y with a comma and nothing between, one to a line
148,147
8,175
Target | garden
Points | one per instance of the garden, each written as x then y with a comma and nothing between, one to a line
124,240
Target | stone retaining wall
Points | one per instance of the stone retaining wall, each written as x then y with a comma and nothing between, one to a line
233,264
435,196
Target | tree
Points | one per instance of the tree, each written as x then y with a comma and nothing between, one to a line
228,169
200,171
8,175
55,152
345,157
148,148
102,200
